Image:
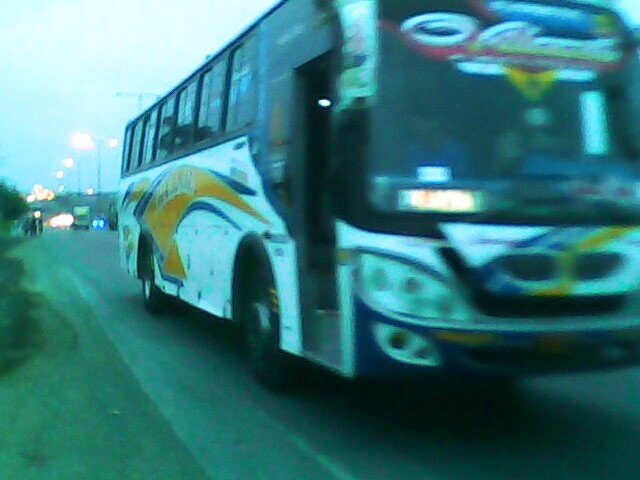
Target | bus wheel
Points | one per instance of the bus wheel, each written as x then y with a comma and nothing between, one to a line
154,298
259,314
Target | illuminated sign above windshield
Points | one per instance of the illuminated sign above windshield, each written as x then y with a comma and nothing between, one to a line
520,34
456,36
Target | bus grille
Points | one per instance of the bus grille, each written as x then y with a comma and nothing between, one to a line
496,305
545,267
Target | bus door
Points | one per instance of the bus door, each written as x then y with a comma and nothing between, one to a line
321,319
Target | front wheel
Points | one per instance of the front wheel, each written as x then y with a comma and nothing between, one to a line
260,318
154,299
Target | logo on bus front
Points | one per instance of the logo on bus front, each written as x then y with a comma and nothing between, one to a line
460,37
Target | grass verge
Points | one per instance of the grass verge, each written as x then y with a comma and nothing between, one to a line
20,334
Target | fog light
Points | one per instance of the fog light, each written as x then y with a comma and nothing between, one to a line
406,346
398,341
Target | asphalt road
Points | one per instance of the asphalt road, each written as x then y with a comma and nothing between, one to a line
571,427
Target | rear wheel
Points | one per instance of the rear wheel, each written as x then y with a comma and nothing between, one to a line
259,312
154,298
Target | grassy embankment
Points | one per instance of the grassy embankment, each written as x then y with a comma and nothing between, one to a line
19,331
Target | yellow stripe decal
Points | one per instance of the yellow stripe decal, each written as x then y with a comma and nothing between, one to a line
171,202
568,259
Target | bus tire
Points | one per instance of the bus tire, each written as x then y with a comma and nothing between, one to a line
155,301
258,315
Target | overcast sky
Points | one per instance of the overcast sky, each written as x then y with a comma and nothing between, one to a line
64,61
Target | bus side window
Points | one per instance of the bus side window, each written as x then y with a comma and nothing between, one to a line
136,146
186,111
210,118
241,94
165,137
126,153
149,151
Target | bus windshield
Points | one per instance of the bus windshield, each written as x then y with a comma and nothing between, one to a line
471,116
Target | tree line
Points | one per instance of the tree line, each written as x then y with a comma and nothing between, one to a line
12,203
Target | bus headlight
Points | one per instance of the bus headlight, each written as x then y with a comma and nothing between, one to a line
399,288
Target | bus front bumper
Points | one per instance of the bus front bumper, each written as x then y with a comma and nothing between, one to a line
385,347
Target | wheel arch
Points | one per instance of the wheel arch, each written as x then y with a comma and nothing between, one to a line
145,242
251,253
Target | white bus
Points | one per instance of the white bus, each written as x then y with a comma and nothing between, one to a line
394,188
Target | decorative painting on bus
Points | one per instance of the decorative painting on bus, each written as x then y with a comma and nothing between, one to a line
359,52
490,36
179,192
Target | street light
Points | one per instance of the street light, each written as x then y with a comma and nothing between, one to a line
70,163
84,142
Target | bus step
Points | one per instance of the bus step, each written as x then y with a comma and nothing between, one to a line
322,340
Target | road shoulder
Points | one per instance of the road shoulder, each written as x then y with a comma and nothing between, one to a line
73,410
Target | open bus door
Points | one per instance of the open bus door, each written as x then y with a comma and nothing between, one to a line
322,337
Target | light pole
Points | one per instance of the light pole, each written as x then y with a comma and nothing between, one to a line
83,141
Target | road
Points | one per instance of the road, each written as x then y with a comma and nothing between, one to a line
571,427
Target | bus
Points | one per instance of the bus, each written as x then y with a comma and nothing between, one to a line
395,188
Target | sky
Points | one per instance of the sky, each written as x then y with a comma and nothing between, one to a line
64,62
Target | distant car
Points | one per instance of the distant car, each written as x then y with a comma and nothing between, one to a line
63,221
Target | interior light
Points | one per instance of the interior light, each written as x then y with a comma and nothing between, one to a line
325,103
